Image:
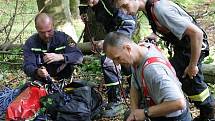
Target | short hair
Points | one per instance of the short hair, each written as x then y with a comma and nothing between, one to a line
42,16
115,39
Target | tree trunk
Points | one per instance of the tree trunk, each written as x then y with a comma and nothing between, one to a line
85,47
93,29
209,72
60,11
74,8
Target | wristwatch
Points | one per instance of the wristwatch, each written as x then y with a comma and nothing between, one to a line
146,111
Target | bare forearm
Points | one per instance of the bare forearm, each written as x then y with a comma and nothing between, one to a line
134,98
166,108
61,58
196,38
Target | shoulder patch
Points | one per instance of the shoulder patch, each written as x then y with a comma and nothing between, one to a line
71,42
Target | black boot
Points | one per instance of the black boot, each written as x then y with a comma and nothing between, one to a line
114,94
115,105
206,114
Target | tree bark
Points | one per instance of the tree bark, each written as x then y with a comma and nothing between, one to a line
93,29
209,72
60,11
74,8
85,47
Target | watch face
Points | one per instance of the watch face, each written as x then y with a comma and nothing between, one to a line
146,112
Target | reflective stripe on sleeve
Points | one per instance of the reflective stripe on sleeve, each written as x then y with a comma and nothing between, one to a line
106,8
201,97
60,48
38,50
112,84
130,21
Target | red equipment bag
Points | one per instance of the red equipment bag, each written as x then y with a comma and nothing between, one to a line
26,104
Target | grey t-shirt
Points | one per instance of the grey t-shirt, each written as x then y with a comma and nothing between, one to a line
171,16
162,84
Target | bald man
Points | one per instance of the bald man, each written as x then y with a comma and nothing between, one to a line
49,52
156,93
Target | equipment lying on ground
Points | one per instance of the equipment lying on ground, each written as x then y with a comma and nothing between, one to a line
77,101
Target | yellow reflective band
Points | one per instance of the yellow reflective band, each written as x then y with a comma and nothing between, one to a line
129,21
83,5
200,97
44,51
111,84
36,49
103,54
106,8
60,48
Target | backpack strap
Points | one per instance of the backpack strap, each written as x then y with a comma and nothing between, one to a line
153,21
148,8
160,60
148,99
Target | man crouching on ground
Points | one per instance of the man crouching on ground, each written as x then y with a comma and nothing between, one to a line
154,80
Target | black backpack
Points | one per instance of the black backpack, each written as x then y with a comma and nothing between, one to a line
80,103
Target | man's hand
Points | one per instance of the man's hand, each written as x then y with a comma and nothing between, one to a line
191,71
42,72
131,117
84,17
52,57
136,115
99,44
152,38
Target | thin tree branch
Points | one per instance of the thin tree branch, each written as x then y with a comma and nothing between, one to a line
12,21
10,63
10,53
8,44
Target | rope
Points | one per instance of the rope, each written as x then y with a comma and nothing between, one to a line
87,28
91,39
120,86
6,97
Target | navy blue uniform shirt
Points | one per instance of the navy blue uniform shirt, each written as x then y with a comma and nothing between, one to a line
34,50
112,18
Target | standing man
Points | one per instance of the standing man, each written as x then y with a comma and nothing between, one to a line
49,52
188,41
154,81
113,20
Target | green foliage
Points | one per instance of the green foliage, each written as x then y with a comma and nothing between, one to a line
90,70
188,3
93,66
14,57
26,10
209,60
143,28
12,75
212,88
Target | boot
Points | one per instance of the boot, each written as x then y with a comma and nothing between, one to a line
199,118
113,109
206,114
114,94
115,105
